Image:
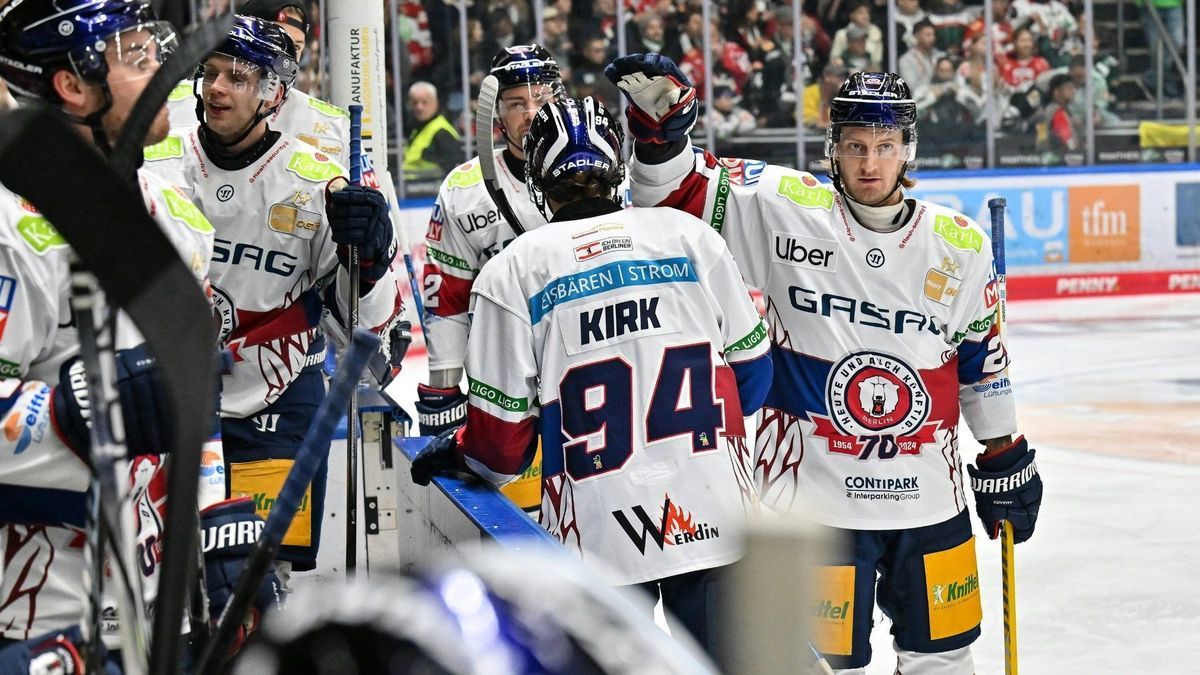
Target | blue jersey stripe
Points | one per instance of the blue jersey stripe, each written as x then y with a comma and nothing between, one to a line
619,274
798,386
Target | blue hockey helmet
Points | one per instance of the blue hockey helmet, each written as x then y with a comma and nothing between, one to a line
260,45
573,150
877,100
526,64
40,37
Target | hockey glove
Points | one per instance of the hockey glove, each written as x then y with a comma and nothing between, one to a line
359,216
141,391
55,653
229,531
663,105
1007,487
440,456
440,410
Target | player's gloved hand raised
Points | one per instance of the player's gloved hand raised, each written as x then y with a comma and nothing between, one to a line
1007,487
56,653
142,394
359,216
663,105
229,530
440,456
440,410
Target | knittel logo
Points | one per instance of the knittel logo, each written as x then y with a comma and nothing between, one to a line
675,527
954,591
877,403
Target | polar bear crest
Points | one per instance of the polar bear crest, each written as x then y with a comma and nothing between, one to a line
878,396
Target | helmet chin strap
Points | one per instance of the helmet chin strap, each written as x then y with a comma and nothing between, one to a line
94,121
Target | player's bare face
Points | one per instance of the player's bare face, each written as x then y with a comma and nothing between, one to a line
131,64
517,106
230,93
869,163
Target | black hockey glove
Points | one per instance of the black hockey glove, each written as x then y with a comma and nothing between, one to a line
142,394
440,410
229,532
663,106
440,456
1007,487
359,216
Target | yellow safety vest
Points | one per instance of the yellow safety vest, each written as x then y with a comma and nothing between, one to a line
413,160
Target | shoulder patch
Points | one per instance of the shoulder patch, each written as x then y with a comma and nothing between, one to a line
464,176
168,148
185,211
314,166
805,191
40,234
182,91
327,109
957,232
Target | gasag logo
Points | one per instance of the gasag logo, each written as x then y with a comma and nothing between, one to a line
878,404
675,527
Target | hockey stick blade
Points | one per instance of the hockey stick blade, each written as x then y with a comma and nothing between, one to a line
104,219
308,458
127,153
485,122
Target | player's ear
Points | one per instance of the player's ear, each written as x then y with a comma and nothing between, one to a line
71,89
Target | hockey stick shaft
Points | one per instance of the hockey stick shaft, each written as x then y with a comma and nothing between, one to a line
485,122
1008,567
356,171
362,344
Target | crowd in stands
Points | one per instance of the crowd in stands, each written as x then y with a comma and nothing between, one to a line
1037,79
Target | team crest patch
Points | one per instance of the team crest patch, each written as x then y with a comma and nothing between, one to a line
878,404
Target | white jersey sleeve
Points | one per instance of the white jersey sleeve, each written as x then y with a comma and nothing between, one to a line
465,231
880,340
617,340
322,125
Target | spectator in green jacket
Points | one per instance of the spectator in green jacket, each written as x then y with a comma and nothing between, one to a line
434,147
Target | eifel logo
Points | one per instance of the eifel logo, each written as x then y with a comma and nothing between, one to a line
676,527
878,405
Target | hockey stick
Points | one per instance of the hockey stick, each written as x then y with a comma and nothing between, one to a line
485,122
127,153
1008,565
104,218
308,459
352,414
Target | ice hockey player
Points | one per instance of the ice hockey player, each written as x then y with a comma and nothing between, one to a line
882,316
91,59
633,337
320,124
281,254
466,230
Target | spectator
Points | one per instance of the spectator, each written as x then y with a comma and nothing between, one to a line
433,144
918,63
1101,96
651,33
1001,30
908,15
691,37
1171,14
950,19
860,17
818,95
1022,66
587,78
555,38
777,94
1049,19
501,32
1056,125
857,57
939,110
728,58
729,118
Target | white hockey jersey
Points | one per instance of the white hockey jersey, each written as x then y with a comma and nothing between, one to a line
635,337
322,125
41,479
879,340
274,264
465,231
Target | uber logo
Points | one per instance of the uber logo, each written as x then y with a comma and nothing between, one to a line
478,221
875,258
225,193
809,252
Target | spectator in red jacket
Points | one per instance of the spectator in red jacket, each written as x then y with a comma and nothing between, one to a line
1022,66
